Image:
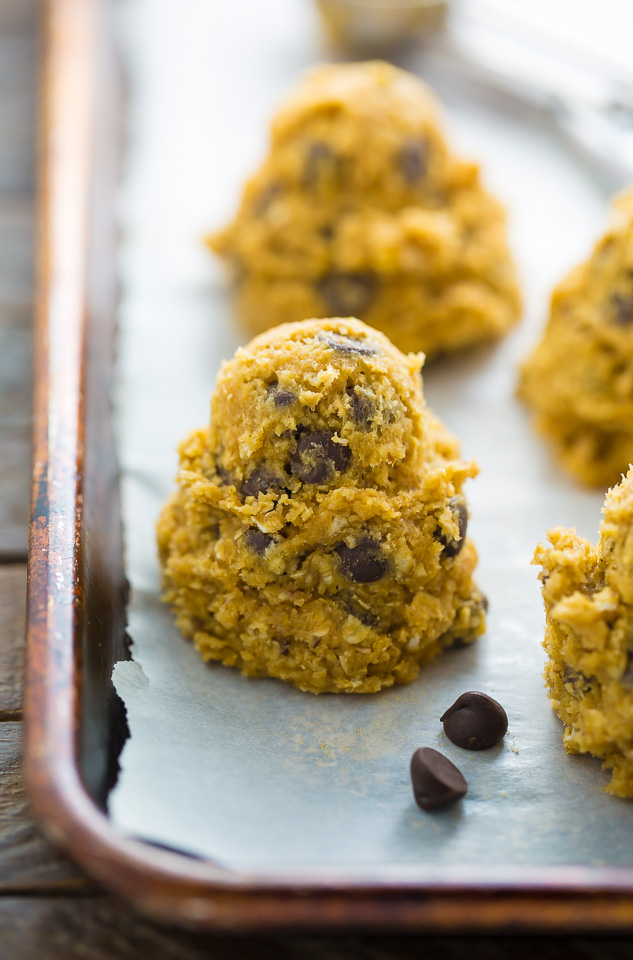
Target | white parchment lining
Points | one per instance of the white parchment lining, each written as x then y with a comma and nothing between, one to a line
252,772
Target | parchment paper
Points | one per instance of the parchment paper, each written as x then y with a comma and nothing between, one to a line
254,773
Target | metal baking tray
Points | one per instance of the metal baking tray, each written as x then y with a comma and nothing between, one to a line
76,724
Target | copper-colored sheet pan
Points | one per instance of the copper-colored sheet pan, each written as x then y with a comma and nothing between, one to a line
76,613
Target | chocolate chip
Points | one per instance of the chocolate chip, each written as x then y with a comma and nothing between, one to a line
266,196
580,683
364,562
258,541
627,676
347,294
361,408
475,721
261,480
412,160
283,398
622,309
365,616
224,477
344,344
458,643
319,457
321,166
436,781
284,647
451,545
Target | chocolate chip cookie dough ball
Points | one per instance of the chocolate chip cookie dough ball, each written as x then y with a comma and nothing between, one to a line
361,210
579,379
319,531
588,593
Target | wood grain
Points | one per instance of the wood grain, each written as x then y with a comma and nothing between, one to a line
27,862
19,17
17,233
18,80
15,374
14,471
99,928
12,617
18,86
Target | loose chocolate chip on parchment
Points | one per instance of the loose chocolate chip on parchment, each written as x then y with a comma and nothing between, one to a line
345,344
258,541
347,294
361,407
413,159
322,165
475,721
319,457
364,562
436,781
453,546
261,480
622,313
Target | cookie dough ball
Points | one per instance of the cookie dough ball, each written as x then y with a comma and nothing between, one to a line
579,379
360,210
318,534
588,593
312,406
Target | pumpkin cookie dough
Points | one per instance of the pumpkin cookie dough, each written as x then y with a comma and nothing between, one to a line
579,379
318,533
588,593
361,210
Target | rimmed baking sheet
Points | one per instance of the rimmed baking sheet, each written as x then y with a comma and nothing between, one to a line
253,773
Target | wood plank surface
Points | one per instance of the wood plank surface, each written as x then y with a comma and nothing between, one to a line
18,106
18,81
27,862
17,235
98,928
12,617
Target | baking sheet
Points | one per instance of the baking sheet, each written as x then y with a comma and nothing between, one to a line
254,773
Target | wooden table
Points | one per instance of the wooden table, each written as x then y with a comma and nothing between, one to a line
48,910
